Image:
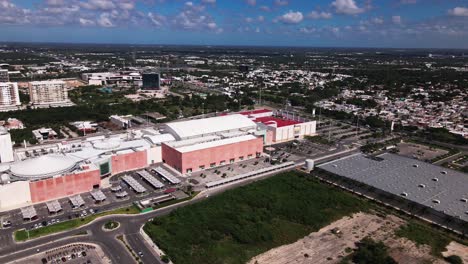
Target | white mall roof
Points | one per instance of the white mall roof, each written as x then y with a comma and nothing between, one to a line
43,166
198,127
158,139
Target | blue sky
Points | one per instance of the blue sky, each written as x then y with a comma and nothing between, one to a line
342,23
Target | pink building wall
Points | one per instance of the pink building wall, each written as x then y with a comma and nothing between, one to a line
205,157
269,137
67,185
129,161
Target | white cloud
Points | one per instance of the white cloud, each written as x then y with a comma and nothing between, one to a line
265,8
251,2
261,18
307,30
319,15
459,11
105,21
98,5
55,2
157,20
126,5
86,22
408,1
292,17
377,21
209,2
396,19
281,2
348,7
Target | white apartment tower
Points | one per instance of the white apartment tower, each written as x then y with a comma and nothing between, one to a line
9,95
48,92
6,146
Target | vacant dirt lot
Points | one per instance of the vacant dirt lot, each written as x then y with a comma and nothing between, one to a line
458,249
325,246
420,152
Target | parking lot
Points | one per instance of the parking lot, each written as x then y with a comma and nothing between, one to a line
91,205
71,254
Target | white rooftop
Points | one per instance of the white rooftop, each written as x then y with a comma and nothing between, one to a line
160,138
43,166
199,127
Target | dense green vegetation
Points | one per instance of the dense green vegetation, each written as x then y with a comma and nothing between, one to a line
370,252
241,223
424,235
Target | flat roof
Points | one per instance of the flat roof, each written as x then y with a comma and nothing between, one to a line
149,178
136,186
98,195
280,122
28,212
116,188
77,200
160,138
198,127
436,187
54,206
167,175
121,194
214,143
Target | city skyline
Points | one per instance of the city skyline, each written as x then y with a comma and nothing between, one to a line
335,23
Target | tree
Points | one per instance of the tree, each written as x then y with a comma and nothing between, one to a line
165,259
454,259
371,252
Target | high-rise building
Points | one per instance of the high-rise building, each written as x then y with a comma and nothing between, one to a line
48,92
4,75
151,81
6,146
9,95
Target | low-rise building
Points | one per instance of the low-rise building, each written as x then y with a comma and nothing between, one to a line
42,134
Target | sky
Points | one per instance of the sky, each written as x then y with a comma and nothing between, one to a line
313,23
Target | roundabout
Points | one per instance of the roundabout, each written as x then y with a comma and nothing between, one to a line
110,225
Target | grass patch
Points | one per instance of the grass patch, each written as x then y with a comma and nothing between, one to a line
22,235
424,235
241,223
110,225
319,140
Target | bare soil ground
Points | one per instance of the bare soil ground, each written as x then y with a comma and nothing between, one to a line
420,152
324,246
458,249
